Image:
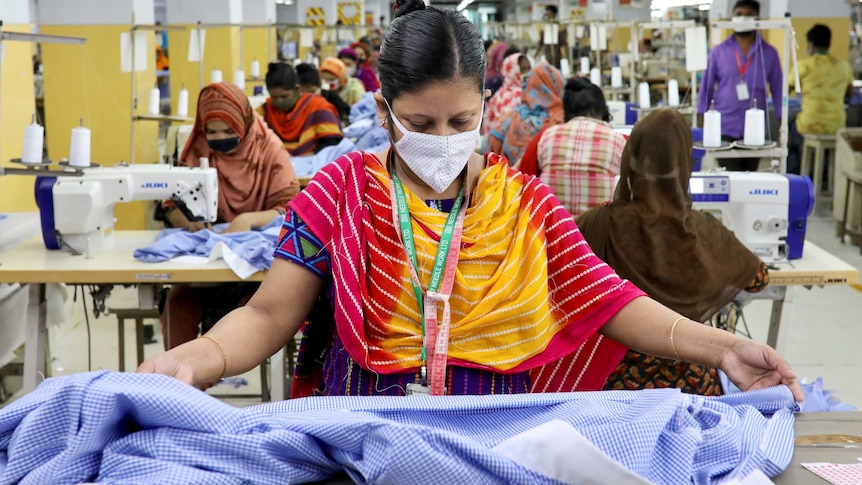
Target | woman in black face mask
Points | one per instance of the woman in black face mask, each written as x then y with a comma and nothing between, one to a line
305,122
255,182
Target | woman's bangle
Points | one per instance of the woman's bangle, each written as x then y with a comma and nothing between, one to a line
224,356
672,345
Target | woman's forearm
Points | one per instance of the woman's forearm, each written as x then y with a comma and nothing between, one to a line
645,326
262,218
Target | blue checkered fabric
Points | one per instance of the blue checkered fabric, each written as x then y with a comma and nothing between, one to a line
135,428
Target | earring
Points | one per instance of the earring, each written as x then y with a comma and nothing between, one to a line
383,124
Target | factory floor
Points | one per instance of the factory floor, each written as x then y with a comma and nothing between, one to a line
824,341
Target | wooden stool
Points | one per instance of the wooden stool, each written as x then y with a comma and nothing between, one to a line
819,144
138,315
853,179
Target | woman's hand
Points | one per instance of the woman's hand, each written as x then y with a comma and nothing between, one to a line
240,223
168,364
196,226
753,365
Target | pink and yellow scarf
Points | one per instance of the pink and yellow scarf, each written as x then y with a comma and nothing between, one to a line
528,291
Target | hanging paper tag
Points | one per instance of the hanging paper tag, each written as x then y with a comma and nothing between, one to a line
417,389
742,91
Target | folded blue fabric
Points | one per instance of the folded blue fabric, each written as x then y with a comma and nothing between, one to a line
817,400
365,108
308,166
255,246
355,130
374,140
137,428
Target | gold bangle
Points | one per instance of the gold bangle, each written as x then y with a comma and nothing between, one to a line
672,328
224,356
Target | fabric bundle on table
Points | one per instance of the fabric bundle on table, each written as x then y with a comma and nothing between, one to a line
244,252
136,428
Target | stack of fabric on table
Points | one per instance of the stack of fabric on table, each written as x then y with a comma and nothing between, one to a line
364,133
136,428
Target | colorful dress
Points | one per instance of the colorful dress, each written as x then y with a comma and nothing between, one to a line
579,160
529,293
311,125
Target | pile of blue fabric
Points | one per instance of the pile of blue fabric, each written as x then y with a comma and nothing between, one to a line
817,399
254,247
308,166
365,126
138,428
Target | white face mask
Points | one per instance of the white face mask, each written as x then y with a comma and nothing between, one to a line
326,86
437,160
743,19
351,70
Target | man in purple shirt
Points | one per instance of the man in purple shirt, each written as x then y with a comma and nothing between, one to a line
736,76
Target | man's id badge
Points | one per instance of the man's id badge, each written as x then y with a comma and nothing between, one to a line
415,388
742,91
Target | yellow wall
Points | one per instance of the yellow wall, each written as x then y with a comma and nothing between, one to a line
86,81
257,44
16,192
221,51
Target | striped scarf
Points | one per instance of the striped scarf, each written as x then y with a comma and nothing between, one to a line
528,289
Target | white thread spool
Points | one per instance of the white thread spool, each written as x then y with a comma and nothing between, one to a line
585,65
255,69
755,127
239,79
153,105
183,102
79,151
596,76
643,96
215,76
34,141
673,92
712,129
616,77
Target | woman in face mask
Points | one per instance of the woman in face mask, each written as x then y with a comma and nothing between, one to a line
443,271
358,54
685,259
335,75
255,182
541,106
305,122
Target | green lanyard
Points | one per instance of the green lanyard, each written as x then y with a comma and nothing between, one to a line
410,246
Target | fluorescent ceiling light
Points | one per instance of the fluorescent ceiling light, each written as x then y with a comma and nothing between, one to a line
666,4
706,7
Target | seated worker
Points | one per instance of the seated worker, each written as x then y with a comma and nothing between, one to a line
334,72
505,299
578,160
255,182
514,68
309,82
494,74
306,123
364,71
826,81
683,258
541,106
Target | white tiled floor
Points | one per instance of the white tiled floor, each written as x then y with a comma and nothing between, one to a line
825,338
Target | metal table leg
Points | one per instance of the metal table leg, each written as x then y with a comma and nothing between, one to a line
781,320
35,338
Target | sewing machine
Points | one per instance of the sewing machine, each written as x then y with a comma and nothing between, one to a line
768,212
77,209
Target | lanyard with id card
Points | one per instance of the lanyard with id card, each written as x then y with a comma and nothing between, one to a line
742,93
445,263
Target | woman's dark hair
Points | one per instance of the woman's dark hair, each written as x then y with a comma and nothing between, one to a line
307,74
281,75
820,36
488,43
510,51
583,98
752,4
405,64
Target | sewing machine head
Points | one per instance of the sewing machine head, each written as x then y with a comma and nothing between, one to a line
78,211
767,212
